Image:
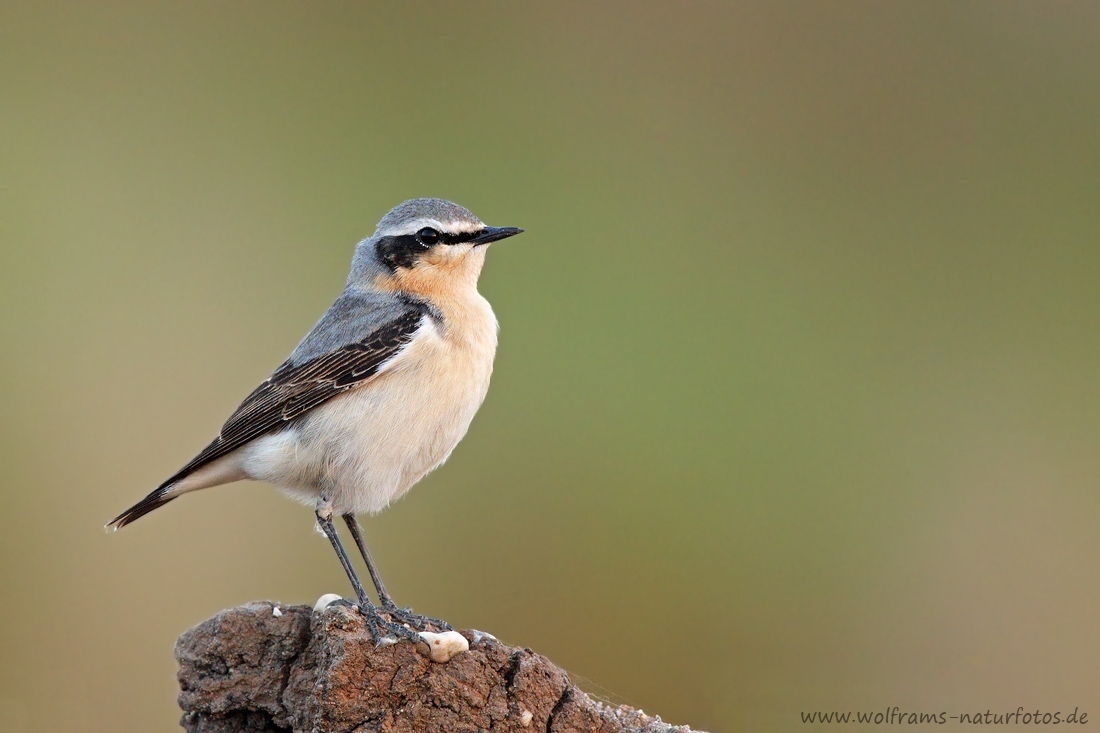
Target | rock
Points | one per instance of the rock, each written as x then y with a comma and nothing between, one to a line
325,601
443,647
248,670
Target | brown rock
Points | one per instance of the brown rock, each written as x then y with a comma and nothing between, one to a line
249,671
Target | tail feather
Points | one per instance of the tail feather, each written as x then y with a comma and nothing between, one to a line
157,498
191,477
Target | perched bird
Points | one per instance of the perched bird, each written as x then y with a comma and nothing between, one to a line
376,395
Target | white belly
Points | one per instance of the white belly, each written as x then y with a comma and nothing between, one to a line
368,446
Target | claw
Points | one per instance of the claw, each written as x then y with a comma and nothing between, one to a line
377,623
387,640
415,620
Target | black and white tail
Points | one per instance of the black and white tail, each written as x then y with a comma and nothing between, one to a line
156,498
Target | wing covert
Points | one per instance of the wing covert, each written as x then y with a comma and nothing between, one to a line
295,389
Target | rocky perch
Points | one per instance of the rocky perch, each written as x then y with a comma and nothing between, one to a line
267,668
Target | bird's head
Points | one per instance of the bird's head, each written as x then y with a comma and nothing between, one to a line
425,246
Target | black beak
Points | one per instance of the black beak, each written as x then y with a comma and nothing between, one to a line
492,234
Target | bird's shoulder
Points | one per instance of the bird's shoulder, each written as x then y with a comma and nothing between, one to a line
356,315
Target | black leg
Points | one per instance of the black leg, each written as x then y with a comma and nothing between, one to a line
374,620
383,596
401,615
330,532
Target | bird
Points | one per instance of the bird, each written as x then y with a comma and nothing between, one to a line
377,394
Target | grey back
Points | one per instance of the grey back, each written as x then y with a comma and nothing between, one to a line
354,316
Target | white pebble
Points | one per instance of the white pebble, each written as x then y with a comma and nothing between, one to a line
525,718
324,601
446,645
276,612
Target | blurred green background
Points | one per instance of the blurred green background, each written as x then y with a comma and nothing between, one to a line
796,401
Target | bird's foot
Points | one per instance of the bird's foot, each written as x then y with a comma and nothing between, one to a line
383,630
415,620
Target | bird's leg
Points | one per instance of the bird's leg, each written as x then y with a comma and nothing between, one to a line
383,596
375,622
401,615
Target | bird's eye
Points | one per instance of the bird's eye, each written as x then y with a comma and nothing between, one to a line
428,236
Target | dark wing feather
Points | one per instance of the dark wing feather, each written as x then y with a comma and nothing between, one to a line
292,391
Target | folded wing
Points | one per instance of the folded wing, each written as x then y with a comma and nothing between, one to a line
291,391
